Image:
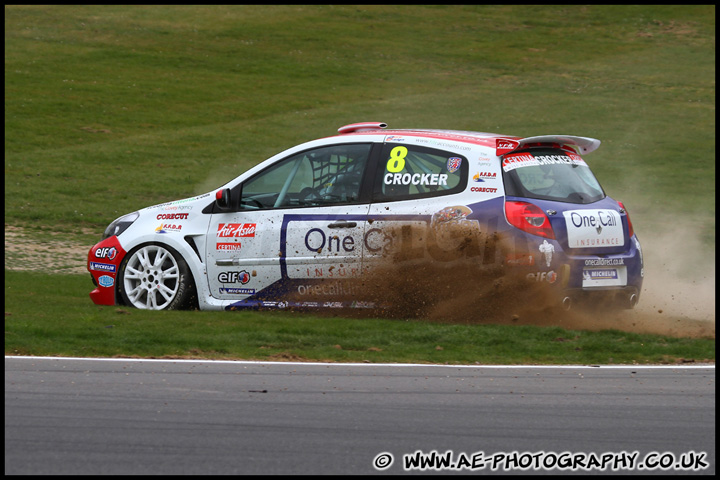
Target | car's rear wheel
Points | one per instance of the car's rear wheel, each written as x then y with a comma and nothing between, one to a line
155,277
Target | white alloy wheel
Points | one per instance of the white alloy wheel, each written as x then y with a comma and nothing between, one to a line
152,278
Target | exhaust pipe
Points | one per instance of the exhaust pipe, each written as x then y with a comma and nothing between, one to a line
632,300
566,303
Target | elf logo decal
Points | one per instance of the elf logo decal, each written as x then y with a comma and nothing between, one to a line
235,230
550,277
234,277
106,252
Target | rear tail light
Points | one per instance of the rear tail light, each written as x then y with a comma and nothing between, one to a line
528,218
627,214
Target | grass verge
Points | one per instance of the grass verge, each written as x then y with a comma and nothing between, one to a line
51,315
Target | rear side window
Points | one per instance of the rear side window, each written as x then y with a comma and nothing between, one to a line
550,174
407,172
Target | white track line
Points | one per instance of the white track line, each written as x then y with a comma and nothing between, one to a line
253,362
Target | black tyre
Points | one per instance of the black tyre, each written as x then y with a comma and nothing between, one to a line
155,277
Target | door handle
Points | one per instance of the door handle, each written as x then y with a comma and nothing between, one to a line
342,224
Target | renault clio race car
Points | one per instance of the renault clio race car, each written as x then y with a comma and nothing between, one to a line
308,227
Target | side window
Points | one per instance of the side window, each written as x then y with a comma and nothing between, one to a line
408,172
323,176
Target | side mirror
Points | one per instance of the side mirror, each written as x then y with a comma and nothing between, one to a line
222,199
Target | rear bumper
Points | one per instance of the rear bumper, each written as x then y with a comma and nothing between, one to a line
605,297
612,280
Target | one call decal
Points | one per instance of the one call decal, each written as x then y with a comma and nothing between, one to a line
594,228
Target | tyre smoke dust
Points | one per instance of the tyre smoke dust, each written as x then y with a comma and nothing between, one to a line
677,298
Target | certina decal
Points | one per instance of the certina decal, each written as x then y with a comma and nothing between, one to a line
106,252
415,179
227,230
228,246
172,216
513,161
234,277
106,281
103,267
453,164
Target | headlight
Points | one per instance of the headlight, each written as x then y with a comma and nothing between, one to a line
120,225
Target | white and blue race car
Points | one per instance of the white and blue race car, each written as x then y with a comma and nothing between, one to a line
308,227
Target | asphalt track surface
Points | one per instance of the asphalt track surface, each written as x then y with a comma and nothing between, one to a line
85,416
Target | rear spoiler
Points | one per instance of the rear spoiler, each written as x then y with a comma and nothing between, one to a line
579,144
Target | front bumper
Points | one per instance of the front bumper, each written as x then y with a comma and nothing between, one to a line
104,265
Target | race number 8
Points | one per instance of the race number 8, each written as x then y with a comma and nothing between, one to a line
397,159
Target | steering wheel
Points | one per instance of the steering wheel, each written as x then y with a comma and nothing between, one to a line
254,202
309,193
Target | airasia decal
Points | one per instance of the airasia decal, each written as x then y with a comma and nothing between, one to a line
235,230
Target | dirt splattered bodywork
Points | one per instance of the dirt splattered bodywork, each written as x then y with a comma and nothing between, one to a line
402,220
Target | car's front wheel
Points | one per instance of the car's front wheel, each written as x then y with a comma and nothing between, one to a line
155,277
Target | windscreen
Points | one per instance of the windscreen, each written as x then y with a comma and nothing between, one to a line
550,174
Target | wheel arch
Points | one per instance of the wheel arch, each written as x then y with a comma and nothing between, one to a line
179,246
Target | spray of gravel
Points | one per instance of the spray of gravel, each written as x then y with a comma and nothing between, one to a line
677,298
